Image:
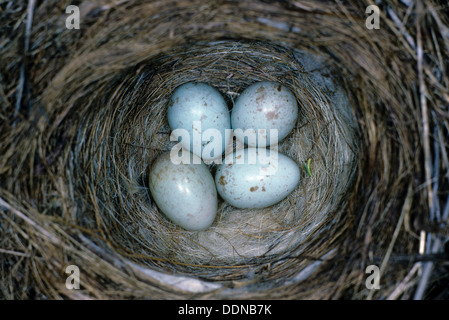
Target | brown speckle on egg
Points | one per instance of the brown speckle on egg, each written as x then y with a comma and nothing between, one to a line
222,181
272,115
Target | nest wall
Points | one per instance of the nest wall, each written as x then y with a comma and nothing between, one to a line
84,115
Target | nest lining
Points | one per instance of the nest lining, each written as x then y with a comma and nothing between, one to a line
123,135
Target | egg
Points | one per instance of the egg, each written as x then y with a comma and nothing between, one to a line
198,114
262,108
185,193
255,178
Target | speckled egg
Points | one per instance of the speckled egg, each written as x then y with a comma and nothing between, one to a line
256,178
185,193
262,107
201,111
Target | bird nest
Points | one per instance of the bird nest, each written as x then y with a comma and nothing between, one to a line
84,116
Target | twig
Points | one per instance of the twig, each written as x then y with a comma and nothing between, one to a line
427,271
405,209
23,75
424,112
436,175
19,93
28,25
404,285
399,24
20,254
422,242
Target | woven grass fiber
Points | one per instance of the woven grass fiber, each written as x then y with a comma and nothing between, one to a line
83,115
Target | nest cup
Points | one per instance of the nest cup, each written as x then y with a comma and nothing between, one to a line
99,120
131,129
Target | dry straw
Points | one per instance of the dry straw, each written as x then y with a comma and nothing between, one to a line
84,114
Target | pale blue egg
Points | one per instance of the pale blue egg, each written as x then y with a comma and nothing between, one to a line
201,111
256,178
262,108
185,193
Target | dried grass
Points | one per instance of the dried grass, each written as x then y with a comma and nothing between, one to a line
86,116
